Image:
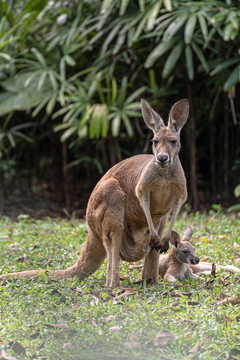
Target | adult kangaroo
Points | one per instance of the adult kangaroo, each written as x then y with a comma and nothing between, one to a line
128,208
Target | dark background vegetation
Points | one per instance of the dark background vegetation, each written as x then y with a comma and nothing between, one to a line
71,77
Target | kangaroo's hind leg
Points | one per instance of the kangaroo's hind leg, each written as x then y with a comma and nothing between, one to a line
112,243
107,218
112,228
91,258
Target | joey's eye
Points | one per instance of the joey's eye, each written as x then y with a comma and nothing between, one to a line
185,251
173,141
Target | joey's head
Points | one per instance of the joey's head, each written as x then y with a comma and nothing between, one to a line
166,139
183,251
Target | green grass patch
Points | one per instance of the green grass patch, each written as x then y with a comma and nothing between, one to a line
44,319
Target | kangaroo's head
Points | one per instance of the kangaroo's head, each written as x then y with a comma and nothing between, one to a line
166,140
183,250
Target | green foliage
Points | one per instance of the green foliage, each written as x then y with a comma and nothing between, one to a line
93,119
71,320
9,138
46,73
83,66
235,207
237,191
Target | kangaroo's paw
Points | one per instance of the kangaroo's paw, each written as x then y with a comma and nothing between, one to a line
154,241
163,246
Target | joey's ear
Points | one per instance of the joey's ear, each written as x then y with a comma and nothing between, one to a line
178,114
175,238
188,233
151,118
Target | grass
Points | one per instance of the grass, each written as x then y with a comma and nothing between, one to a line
68,320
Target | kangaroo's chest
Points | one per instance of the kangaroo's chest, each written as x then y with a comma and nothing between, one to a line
163,195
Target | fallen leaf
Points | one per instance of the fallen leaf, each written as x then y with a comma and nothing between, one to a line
204,239
115,328
237,260
23,258
58,326
193,303
110,298
229,300
110,317
228,319
7,239
4,356
67,346
36,246
94,300
191,356
18,348
223,280
191,322
235,245
126,294
132,344
195,349
96,293
14,246
176,294
79,290
100,332
221,296
41,345
94,323
163,337
48,261
133,267
213,270
174,304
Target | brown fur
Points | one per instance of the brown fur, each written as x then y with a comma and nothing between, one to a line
182,261
206,268
128,208
177,264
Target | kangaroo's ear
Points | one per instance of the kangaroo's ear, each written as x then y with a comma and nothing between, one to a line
175,239
188,233
151,118
178,115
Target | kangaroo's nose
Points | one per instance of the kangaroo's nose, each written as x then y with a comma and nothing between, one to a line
163,158
195,260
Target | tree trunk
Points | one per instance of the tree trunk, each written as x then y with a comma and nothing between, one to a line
65,175
225,150
193,196
212,164
1,194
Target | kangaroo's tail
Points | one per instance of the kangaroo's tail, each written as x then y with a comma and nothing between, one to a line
91,258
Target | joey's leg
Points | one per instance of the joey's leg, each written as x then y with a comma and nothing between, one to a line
189,274
169,277
151,264
202,268
144,199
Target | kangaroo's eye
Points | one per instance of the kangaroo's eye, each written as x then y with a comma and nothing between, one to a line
173,141
185,251
155,142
